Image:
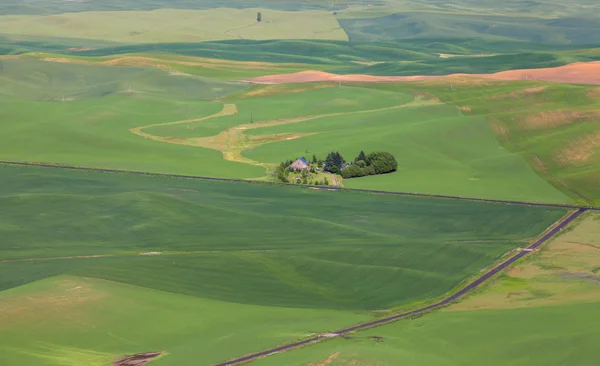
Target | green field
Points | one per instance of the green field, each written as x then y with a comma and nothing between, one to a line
556,335
88,321
429,139
97,265
178,25
553,126
544,312
58,81
292,248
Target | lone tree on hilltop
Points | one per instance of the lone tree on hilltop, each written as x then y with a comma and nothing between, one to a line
259,17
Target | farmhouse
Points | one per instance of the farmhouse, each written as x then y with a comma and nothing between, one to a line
300,164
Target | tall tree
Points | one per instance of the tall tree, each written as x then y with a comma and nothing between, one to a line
361,156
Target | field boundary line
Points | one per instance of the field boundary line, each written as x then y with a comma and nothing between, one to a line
554,229
329,188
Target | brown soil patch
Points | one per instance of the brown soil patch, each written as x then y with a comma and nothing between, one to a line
56,59
554,119
368,63
329,360
538,162
448,55
580,151
66,299
500,130
593,94
139,359
79,49
576,73
278,89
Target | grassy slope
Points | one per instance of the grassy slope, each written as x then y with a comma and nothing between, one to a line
407,57
554,127
286,101
567,272
47,81
178,25
69,320
439,150
539,336
438,132
45,7
543,312
95,133
576,30
474,65
178,64
309,246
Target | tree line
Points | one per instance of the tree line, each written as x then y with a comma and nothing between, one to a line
372,164
363,165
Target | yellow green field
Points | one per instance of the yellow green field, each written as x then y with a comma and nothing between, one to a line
175,25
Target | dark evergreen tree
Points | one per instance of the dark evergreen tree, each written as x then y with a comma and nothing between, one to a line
361,156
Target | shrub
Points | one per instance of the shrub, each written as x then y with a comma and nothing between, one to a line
353,171
382,162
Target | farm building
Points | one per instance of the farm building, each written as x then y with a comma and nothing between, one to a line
300,164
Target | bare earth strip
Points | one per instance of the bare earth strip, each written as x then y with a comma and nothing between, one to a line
233,141
576,73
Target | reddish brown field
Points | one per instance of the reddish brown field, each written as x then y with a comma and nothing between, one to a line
576,73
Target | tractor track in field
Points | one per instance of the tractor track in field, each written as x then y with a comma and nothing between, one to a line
553,230
328,188
233,141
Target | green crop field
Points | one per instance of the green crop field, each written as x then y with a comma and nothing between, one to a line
556,335
45,81
440,148
229,261
126,319
178,25
553,126
72,245
543,312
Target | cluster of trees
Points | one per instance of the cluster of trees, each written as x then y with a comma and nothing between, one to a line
334,162
363,165
282,174
372,164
